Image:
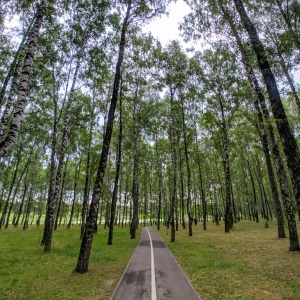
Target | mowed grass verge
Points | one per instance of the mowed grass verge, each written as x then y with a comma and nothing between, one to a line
26,272
248,263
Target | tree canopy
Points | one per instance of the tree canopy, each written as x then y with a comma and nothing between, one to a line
101,124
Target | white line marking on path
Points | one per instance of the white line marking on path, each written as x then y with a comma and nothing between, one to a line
153,284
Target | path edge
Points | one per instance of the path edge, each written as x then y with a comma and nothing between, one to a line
189,282
115,290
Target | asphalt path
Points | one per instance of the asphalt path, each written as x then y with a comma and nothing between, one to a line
153,273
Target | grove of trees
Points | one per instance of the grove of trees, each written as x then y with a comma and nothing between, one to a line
101,125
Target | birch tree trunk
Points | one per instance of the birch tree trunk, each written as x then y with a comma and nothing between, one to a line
13,131
59,211
258,98
288,141
86,192
188,169
28,208
51,187
84,255
25,170
13,91
214,190
77,174
173,207
15,62
30,197
118,168
146,176
255,209
226,165
53,199
135,184
160,183
202,192
21,204
18,160
181,188
124,217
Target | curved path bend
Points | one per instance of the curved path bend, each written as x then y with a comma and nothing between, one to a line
153,273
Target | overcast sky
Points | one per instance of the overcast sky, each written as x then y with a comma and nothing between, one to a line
166,28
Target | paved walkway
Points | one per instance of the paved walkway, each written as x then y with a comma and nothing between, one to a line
153,273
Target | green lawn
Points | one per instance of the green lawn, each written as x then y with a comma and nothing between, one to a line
26,272
249,263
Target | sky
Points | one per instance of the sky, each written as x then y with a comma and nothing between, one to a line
166,27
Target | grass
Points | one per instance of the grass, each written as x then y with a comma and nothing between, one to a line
26,272
249,263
